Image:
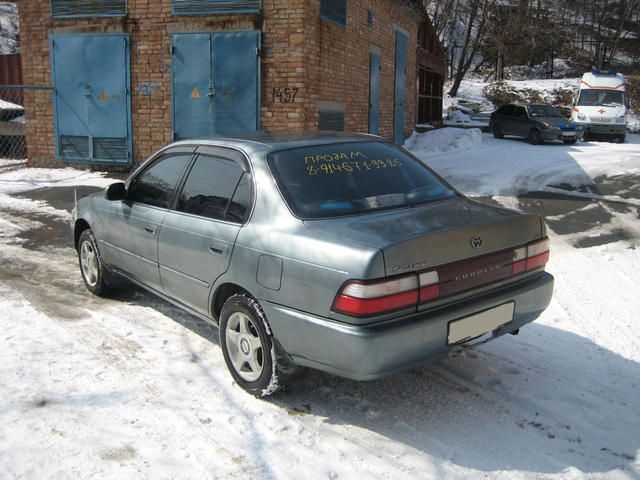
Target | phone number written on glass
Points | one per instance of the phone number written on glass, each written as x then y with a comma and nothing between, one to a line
352,166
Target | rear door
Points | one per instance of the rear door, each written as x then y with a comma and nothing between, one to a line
505,119
520,123
197,236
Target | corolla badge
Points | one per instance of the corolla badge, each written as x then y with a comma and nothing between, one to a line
476,242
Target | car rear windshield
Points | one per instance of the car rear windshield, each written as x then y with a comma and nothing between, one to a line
543,111
332,180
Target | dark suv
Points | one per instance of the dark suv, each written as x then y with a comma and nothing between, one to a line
536,122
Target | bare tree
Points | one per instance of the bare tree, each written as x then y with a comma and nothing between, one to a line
474,16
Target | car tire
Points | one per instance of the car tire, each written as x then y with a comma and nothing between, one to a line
534,137
497,132
248,346
91,266
622,138
570,142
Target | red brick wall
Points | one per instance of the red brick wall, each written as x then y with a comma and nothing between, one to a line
341,72
299,50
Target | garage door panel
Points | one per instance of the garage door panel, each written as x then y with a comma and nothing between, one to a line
193,109
236,79
91,82
215,83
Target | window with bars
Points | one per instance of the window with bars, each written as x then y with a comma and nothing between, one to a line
331,120
207,7
429,96
88,8
334,10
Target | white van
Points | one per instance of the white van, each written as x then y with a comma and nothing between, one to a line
601,105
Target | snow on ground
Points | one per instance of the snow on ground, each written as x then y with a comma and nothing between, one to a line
131,387
470,90
20,180
480,165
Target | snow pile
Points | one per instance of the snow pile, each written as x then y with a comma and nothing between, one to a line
633,124
470,91
443,140
459,117
9,28
4,105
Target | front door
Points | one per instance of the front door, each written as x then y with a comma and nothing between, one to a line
215,83
129,237
400,87
91,96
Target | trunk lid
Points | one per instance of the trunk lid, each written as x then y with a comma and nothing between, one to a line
448,232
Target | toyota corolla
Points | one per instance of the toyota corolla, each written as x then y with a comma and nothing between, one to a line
342,253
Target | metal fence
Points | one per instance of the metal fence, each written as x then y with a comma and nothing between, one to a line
13,144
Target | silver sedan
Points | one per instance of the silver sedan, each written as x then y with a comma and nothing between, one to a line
340,253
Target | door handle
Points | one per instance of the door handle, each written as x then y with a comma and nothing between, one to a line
149,229
217,248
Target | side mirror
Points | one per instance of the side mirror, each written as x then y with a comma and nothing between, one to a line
115,191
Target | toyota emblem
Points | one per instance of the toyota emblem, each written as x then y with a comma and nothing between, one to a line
476,242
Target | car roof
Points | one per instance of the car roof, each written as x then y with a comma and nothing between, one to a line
278,140
529,104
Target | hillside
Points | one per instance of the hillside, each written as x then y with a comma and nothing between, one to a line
534,39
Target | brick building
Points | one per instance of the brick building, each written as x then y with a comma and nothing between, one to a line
130,76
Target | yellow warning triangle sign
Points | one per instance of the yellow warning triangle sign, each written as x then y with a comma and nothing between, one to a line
103,97
195,93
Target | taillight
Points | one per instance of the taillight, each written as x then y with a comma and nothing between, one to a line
534,255
363,299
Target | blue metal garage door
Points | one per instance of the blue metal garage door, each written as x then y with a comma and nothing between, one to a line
400,87
374,91
92,102
215,83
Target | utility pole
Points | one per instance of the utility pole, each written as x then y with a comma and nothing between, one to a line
500,63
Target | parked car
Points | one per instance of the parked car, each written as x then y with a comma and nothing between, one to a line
601,105
341,253
536,122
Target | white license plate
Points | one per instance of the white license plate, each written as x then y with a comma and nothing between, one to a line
480,323
569,134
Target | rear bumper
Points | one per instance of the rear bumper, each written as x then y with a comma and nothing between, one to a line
374,351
